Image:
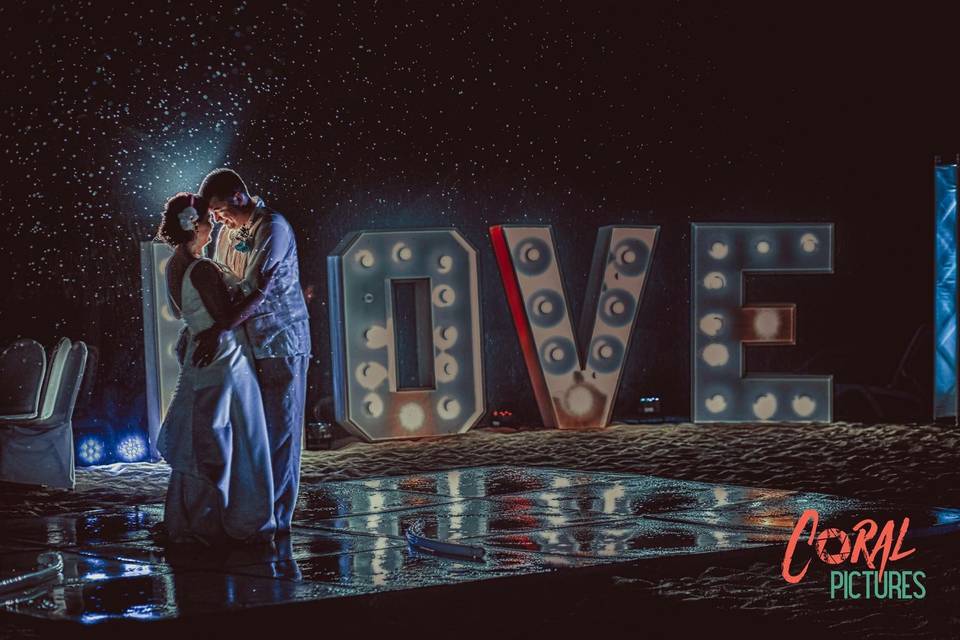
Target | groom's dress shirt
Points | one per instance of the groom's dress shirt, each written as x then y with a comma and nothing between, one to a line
279,326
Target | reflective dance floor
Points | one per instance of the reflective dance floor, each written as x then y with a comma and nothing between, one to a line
349,539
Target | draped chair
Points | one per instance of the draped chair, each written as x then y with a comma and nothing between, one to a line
39,450
23,366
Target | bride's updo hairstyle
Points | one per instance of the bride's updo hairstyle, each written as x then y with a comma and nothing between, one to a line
181,215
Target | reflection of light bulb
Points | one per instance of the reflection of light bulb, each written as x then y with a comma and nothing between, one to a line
718,251
714,280
809,242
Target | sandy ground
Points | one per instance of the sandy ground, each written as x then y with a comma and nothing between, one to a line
906,463
917,464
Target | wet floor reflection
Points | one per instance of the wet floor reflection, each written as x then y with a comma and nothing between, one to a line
632,539
640,497
349,539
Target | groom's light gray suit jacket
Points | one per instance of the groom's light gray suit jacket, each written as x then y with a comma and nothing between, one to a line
279,326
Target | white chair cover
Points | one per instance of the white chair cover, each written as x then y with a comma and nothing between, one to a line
51,384
40,451
23,366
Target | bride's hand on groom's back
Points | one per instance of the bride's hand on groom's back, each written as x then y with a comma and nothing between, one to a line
207,342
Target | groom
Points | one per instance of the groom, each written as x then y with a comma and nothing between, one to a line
258,246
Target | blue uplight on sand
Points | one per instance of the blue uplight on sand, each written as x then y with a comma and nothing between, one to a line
132,448
91,450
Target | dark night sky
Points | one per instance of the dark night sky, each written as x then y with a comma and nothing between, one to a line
382,114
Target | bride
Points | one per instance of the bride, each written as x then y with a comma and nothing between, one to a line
214,435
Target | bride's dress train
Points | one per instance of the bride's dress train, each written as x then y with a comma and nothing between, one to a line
215,439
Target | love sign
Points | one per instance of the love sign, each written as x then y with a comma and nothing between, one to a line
575,374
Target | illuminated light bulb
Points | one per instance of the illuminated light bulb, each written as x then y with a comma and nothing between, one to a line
763,247
365,258
445,337
532,254
401,252
765,406
411,416
446,368
443,295
714,280
556,354
545,307
448,408
373,405
716,355
376,337
446,263
628,256
716,403
605,351
371,375
580,400
618,307
803,406
766,324
809,242
132,448
711,324
719,250
91,450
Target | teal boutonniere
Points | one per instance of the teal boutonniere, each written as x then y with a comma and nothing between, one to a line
243,240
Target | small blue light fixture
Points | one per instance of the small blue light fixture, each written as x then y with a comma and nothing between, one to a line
132,448
91,450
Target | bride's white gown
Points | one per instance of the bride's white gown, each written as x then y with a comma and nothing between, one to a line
215,438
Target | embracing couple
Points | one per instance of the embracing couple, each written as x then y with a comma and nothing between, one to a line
232,433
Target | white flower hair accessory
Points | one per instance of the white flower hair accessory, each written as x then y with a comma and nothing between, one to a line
188,218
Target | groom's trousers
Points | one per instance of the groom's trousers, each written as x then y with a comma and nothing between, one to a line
283,385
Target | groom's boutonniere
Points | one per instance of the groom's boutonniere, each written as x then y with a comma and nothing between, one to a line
243,239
